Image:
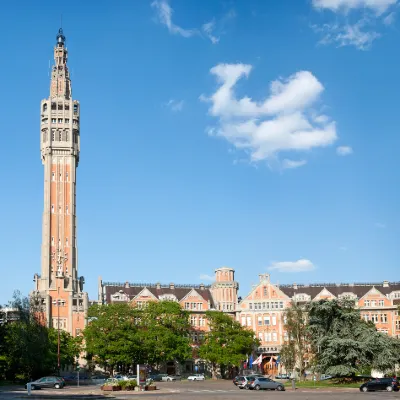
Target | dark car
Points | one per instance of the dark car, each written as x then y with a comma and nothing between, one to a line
47,382
265,383
388,384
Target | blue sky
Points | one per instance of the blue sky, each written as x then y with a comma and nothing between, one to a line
260,135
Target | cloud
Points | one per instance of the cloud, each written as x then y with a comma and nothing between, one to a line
287,164
344,150
378,6
301,265
175,105
286,121
347,35
208,29
380,225
389,19
164,15
206,277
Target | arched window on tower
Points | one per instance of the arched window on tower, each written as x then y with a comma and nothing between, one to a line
44,107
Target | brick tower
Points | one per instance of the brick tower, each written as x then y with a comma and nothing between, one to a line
225,290
58,288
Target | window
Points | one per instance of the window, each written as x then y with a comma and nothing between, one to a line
52,240
265,291
248,321
251,306
53,120
66,242
52,209
267,320
267,336
243,321
260,321
53,176
77,332
273,320
60,120
59,136
260,336
373,303
44,107
187,306
67,120
367,303
60,177
66,209
384,318
281,304
285,336
274,337
381,303
192,320
75,108
202,321
375,318
398,325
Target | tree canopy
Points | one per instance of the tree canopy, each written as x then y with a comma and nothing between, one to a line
227,343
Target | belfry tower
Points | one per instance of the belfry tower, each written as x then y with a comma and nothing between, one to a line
58,288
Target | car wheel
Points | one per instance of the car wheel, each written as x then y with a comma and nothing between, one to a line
33,387
257,387
240,387
57,386
365,389
279,388
389,389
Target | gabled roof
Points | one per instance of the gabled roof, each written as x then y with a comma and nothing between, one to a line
156,290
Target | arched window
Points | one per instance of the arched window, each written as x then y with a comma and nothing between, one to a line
44,107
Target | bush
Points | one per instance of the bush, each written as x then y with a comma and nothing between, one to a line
123,384
131,384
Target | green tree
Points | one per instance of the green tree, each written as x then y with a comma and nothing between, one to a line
344,344
164,332
118,334
296,349
227,343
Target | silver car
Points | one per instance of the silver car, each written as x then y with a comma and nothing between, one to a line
265,383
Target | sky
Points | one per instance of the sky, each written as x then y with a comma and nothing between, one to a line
259,135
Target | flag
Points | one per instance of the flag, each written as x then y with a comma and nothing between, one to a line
258,360
251,361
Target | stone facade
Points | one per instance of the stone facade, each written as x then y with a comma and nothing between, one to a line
59,289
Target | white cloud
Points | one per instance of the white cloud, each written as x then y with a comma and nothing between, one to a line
285,121
389,19
208,29
288,164
175,105
344,150
380,225
347,34
164,14
301,265
206,277
378,6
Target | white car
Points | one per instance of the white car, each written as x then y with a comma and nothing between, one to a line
196,377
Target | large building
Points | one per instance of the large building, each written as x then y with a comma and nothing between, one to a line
262,310
58,288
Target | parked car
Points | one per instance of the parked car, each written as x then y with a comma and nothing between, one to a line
245,381
265,383
388,384
196,377
121,377
47,382
283,376
325,377
236,379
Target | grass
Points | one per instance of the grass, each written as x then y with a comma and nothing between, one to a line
324,384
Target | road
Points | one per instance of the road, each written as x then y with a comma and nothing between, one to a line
219,390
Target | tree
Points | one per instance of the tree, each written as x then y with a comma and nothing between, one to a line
118,334
344,344
294,351
227,343
165,332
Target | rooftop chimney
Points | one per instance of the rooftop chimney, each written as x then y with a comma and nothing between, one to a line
172,286
201,286
385,283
